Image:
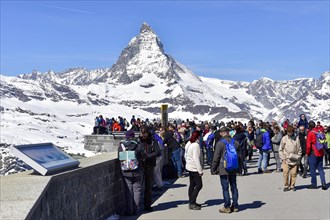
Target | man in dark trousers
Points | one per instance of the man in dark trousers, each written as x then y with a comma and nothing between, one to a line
226,178
151,150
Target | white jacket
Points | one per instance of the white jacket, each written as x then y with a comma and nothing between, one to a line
192,156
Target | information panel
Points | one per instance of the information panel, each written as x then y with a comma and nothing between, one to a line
44,158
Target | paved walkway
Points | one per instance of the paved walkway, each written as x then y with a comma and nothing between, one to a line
261,196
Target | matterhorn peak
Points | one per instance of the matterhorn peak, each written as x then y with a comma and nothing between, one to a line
146,28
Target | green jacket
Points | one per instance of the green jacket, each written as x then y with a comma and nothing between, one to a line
327,138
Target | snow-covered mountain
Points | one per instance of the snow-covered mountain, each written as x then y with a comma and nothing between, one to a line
61,107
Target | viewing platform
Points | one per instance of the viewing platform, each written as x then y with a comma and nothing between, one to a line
261,196
95,190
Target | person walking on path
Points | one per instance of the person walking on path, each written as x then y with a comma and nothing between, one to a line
194,167
226,178
315,157
290,154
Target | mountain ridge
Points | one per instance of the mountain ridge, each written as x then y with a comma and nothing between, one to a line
143,78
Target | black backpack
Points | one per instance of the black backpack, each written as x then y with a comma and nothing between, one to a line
258,141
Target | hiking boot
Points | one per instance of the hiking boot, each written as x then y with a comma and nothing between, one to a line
233,209
286,189
194,207
293,189
225,210
312,187
324,187
304,176
267,171
260,171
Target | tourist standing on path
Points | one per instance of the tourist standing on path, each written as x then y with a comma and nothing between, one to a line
276,140
194,167
133,178
290,154
327,150
151,150
175,149
265,148
159,161
315,157
226,178
241,138
302,134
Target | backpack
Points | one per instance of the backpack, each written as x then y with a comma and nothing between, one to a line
230,157
209,140
258,141
128,159
320,141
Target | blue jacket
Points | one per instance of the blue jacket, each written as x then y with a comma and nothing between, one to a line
303,122
266,140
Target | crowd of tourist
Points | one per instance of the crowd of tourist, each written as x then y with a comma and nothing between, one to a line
193,147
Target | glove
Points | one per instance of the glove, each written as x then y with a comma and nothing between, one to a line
214,172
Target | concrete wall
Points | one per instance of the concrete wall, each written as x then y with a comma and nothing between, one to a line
95,190
102,143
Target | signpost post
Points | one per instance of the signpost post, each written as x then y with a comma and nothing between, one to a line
164,114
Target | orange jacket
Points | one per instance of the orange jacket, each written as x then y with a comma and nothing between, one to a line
116,127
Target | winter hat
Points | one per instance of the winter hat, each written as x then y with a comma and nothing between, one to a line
130,134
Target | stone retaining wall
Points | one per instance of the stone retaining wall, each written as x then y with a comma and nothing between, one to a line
95,190
102,143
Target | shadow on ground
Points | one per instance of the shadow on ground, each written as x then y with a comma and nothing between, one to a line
253,205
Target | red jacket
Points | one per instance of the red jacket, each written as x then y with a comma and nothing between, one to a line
319,128
310,143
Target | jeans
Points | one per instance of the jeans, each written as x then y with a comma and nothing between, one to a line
176,159
209,154
225,181
195,186
316,163
263,160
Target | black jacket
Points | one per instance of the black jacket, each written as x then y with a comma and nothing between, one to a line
170,141
150,150
302,136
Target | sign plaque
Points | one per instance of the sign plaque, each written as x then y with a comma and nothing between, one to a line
45,158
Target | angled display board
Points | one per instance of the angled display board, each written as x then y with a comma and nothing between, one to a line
45,158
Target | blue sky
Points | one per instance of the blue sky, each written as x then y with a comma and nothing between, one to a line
233,40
